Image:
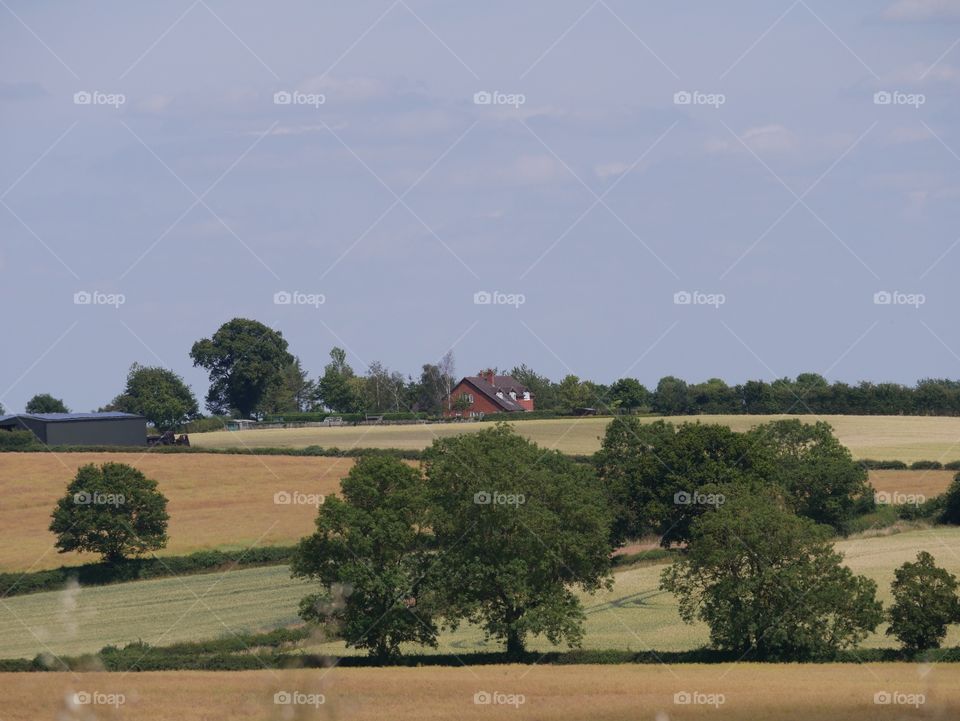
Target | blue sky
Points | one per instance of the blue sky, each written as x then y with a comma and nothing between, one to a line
816,165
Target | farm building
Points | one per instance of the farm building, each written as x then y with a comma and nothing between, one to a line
80,429
488,393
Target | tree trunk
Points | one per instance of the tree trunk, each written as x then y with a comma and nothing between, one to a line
515,645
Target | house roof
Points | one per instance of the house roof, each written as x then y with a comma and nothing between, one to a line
504,384
66,417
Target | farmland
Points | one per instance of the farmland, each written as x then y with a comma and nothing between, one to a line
216,501
906,438
224,501
635,615
611,693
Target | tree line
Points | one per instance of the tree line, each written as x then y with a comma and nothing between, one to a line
253,374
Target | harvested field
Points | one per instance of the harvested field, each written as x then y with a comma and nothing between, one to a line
906,438
741,692
216,501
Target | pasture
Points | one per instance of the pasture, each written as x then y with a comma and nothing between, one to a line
906,438
563,693
216,501
635,615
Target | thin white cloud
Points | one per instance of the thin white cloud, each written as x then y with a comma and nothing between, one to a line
912,11
607,170
764,138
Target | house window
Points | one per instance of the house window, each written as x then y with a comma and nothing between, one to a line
526,395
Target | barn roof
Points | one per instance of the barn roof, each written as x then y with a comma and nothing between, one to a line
67,417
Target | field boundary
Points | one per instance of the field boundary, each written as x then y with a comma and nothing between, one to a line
141,569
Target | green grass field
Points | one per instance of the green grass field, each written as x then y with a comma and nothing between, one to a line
906,438
635,615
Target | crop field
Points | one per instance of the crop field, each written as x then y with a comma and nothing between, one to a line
216,501
635,615
741,692
906,438
226,501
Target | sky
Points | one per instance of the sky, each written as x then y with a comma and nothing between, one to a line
747,189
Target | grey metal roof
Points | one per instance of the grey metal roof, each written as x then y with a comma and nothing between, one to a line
65,417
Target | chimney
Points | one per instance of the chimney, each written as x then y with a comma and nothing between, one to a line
488,376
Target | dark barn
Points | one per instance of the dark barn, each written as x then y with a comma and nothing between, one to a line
80,429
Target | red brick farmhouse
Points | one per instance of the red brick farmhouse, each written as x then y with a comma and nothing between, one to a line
488,393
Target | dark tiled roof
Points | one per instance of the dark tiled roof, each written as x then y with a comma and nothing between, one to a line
505,384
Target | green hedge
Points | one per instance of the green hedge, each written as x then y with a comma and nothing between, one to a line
19,441
102,574
872,465
273,650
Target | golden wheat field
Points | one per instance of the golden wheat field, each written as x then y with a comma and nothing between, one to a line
215,501
225,501
906,438
727,692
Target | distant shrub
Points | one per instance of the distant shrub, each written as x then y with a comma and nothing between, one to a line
952,466
951,503
203,425
18,441
926,466
872,465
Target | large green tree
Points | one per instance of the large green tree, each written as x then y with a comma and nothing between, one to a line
820,476
628,394
660,477
46,403
925,603
158,394
244,358
291,392
336,388
371,553
769,583
518,529
113,510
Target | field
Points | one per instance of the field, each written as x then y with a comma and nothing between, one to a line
906,438
224,501
634,615
741,692
216,501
